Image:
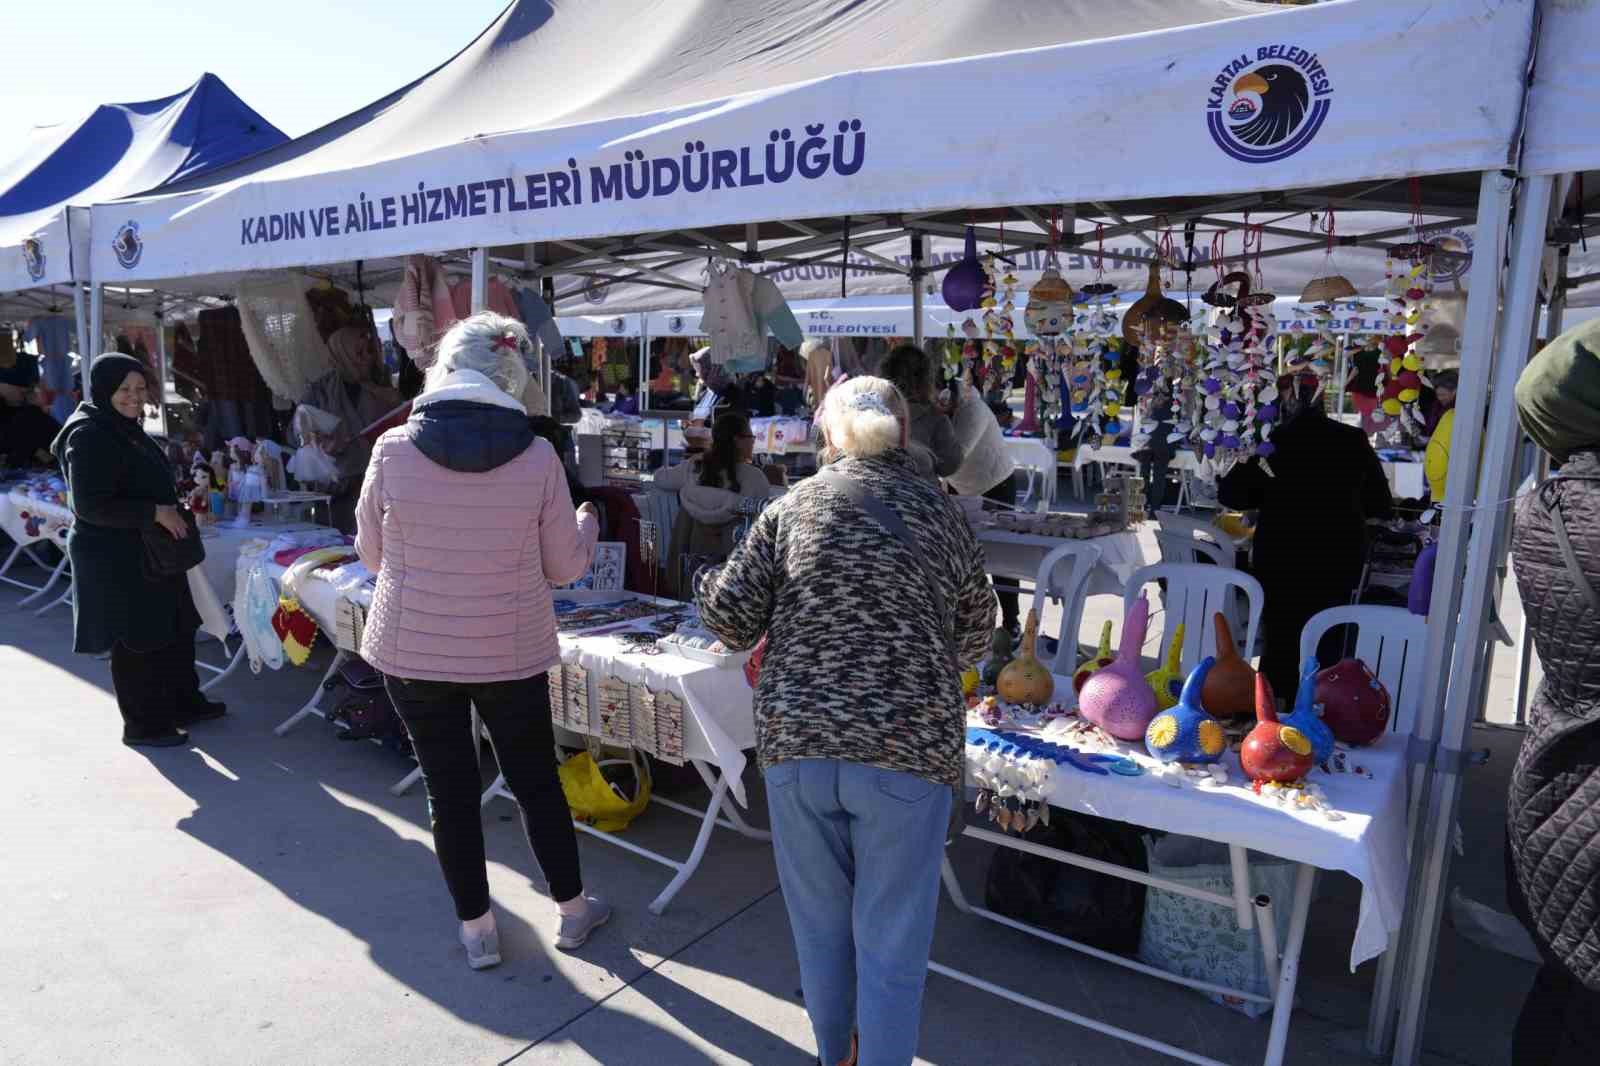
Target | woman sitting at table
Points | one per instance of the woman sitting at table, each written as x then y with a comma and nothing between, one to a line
860,722
711,489
1311,533
120,488
466,520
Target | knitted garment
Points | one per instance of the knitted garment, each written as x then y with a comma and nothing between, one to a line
294,629
855,666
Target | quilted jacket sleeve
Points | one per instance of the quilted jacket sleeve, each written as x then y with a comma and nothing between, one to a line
566,538
369,513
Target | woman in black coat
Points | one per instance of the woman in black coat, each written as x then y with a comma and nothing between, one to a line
1553,813
1310,542
120,488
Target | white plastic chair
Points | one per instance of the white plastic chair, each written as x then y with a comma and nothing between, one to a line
1064,575
1391,641
1194,593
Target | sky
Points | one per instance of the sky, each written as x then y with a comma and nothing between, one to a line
299,63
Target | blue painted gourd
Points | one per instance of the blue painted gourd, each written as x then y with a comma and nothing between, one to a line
1304,716
1186,733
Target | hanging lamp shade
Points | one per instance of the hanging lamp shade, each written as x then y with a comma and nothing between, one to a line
964,282
1326,289
1154,311
1049,310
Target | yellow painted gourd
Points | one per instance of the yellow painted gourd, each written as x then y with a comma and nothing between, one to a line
1167,680
1025,679
1102,659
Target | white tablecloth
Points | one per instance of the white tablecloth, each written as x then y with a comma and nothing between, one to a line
1019,555
1368,842
1184,459
44,521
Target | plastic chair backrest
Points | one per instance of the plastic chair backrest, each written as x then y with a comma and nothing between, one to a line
1391,641
1064,575
1187,548
1194,592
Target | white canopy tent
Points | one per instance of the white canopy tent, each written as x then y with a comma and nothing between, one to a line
789,133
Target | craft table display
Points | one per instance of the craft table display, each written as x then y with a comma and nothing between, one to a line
1038,458
29,519
678,709
1358,826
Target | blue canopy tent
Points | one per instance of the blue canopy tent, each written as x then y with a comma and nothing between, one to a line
113,150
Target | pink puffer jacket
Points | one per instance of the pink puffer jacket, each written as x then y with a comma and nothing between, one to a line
465,561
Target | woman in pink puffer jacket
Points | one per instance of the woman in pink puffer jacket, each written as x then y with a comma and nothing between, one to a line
466,519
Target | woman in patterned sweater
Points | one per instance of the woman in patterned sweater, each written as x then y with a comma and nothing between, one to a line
859,713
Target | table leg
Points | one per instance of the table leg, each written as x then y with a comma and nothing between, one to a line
227,671
735,820
313,705
47,586
1380,1016
1289,971
399,788
65,597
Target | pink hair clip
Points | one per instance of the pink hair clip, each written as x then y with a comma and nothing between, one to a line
504,342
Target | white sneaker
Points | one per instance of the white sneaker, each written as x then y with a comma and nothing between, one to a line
575,928
483,949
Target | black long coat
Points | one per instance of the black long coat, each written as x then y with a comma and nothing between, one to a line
1554,804
1310,541
114,483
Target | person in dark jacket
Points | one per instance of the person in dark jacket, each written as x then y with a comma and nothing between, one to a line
1325,481
1553,853
120,488
933,439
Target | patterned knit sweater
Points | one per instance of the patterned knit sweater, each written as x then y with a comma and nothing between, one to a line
856,665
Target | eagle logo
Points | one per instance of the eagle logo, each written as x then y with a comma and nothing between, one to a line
596,291
675,323
33,257
1445,269
128,245
1267,108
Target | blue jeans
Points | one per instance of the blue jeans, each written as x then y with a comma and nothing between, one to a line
858,852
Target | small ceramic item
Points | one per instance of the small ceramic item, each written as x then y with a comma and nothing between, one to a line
1101,660
1274,751
1355,704
1025,680
1167,680
1229,689
1304,716
1186,733
1117,698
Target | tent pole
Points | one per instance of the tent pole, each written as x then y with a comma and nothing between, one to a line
1341,369
1438,805
97,327
916,289
161,374
1494,208
480,280
80,315
1541,470
547,289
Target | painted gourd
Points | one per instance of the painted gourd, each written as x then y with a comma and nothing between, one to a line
1167,680
1186,733
1230,689
964,282
1025,680
1355,704
1274,751
1304,716
1118,699
1101,660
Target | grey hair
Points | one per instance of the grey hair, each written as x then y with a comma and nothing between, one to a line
864,417
495,346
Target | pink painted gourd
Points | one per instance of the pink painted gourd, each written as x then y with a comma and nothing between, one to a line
1118,699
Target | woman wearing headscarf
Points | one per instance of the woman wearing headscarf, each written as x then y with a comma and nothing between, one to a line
1311,534
357,393
860,721
1553,853
466,520
120,488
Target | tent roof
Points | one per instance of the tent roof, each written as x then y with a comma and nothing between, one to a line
116,150
985,111
545,64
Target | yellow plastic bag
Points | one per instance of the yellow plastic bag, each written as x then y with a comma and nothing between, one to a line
594,800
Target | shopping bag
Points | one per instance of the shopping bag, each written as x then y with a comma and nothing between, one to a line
1092,908
598,802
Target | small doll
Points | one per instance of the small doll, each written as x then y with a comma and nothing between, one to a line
200,495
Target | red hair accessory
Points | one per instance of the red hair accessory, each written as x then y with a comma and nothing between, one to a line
504,342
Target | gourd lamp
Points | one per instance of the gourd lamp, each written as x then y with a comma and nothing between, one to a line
1118,699
1274,751
1186,733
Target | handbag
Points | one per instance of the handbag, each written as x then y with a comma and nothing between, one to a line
166,556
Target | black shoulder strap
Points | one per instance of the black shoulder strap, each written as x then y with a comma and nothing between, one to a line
885,516
1564,542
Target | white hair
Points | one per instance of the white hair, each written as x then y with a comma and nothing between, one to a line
864,417
495,346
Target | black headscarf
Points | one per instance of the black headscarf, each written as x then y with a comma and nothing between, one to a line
106,375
